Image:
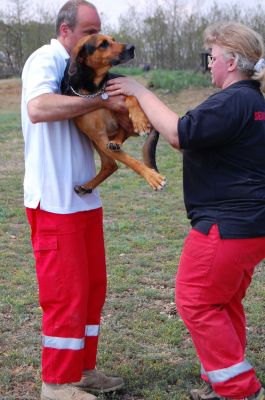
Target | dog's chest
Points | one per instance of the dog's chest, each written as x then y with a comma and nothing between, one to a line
109,121
101,120
111,124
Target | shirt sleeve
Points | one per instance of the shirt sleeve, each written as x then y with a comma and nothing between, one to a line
41,76
216,122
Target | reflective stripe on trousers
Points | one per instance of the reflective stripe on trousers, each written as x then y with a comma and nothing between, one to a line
69,343
224,374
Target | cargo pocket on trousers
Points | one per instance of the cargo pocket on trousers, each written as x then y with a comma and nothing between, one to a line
49,269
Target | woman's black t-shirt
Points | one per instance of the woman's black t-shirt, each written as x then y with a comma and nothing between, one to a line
223,143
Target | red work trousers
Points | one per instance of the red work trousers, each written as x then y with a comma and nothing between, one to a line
211,281
71,272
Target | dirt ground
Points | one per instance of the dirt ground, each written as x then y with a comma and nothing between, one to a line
10,94
10,91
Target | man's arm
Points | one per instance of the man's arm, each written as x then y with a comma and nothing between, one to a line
55,107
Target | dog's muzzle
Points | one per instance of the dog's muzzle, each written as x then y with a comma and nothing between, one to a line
126,55
128,52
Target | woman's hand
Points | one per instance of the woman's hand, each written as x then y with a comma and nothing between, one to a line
124,85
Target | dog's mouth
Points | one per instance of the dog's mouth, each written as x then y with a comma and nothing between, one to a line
126,55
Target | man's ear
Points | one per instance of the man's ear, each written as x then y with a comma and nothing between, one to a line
64,28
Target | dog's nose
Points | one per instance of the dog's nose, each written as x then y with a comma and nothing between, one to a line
130,49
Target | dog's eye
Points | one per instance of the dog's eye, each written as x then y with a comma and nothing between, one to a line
104,44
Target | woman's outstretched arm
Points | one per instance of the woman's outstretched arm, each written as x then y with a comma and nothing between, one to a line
161,117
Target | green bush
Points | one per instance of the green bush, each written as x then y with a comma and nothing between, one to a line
128,71
172,81
175,81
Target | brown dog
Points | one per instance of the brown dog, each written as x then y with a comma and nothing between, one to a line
86,76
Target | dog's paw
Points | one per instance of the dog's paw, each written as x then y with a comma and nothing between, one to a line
143,134
161,185
81,190
141,125
113,146
155,180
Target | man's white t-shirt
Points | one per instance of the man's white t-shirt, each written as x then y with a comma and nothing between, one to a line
57,155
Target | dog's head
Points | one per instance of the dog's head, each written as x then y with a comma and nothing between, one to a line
100,52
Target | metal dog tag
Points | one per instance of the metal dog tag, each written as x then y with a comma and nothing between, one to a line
104,96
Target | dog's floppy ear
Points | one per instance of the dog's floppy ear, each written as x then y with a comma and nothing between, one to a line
79,56
88,49
74,65
72,68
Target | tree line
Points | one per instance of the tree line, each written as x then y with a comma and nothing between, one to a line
165,37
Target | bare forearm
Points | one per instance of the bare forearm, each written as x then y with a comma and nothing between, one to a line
161,117
56,107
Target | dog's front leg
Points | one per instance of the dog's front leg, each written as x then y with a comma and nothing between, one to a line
116,141
139,119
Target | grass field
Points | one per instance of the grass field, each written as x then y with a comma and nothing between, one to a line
142,338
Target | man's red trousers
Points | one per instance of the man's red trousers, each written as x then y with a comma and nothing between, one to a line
71,272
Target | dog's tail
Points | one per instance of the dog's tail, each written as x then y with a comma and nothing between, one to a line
149,149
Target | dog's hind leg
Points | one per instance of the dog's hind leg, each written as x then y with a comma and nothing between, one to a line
155,180
108,167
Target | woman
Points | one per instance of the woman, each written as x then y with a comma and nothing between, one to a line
222,141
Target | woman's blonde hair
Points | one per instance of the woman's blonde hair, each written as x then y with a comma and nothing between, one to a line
245,43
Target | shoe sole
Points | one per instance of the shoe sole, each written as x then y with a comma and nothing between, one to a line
197,395
107,390
46,398
194,396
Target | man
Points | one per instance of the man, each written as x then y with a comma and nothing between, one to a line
66,229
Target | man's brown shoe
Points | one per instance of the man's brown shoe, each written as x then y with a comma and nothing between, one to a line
96,382
64,392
